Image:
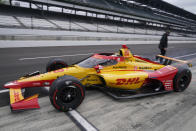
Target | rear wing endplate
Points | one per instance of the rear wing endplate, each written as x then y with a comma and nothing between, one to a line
168,60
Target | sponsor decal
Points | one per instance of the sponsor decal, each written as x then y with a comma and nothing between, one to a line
37,84
16,96
168,84
128,81
119,67
145,68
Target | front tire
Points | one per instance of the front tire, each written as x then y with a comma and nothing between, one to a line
182,80
66,93
55,64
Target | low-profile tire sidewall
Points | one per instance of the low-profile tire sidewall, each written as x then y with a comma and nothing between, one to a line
181,73
58,85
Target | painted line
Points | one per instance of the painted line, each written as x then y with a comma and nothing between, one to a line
46,57
80,121
194,71
185,55
3,91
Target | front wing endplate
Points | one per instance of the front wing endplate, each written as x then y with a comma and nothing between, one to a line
18,102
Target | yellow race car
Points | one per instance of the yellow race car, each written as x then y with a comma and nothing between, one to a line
120,75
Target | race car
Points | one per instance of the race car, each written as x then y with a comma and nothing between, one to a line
120,75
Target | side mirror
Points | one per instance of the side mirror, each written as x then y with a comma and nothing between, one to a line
98,68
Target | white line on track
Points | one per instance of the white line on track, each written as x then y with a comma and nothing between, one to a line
81,121
3,91
46,57
193,71
185,55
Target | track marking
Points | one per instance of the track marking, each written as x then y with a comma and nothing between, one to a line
194,71
46,57
81,121
185,55
3,91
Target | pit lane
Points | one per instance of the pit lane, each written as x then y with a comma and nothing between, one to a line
164,112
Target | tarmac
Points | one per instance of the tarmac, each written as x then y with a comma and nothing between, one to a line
171,112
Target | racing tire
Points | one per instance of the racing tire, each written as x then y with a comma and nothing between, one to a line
66,93
182,80
55,64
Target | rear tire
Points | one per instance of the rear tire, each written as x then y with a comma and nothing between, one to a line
182,80
66,93
55,64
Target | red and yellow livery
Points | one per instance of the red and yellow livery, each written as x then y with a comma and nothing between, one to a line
120,75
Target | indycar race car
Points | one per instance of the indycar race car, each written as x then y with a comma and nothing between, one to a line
120,75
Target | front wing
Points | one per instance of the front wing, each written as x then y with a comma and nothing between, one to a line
18,102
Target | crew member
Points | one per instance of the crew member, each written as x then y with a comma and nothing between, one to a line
164,43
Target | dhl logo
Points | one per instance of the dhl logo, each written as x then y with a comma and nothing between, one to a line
16,96
127,81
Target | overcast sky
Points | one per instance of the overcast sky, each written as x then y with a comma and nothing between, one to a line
189,5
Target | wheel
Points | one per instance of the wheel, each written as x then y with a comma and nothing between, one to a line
182,80
55,64
66,93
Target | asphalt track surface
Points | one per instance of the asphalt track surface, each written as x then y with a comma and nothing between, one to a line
173,111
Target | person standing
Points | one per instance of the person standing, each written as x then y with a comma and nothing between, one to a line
163,44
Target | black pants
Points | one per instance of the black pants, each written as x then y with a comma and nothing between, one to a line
163,51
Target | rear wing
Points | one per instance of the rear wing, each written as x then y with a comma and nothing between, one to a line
168,60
